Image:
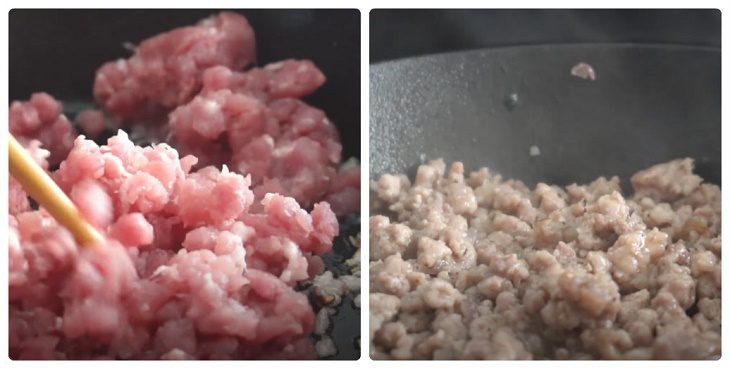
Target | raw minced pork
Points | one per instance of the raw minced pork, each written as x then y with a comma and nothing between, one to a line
41,118
188,269
288,146
252,120
166,70
477,267
255,122
91,121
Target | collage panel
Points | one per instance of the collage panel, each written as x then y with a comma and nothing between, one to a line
184,184
545,184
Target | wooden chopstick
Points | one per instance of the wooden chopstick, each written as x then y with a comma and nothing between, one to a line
46,192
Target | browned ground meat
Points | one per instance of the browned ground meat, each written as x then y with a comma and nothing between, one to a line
476,267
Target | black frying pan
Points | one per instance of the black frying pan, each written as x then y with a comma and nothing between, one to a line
58,51
649,104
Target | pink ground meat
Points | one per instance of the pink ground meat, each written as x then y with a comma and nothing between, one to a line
190,270
42,118
287,146
166,70
470,266
91,121
344,193
251,120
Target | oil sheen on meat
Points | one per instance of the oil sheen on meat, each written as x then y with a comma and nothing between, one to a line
477,267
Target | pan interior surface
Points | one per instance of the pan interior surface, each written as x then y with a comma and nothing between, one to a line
520,112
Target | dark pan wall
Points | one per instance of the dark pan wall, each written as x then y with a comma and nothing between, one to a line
401,33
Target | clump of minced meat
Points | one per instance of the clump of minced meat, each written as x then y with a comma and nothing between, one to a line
188,270
200,261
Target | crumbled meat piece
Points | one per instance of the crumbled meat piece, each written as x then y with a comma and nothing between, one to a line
383,307
583,70
667,181
322,321
476,267
91,121
344,192
325,347
287,146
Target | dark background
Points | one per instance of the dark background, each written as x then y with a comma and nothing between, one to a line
402,33
58,51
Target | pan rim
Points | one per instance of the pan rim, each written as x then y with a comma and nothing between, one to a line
554,46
